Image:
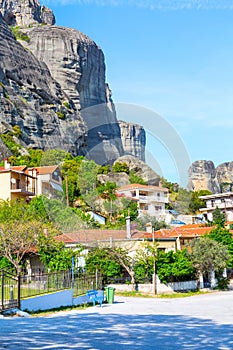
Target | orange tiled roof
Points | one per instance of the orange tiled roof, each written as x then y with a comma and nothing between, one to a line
45,169
15,168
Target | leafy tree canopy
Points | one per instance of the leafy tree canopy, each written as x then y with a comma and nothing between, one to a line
99,258
174,266
143,220
195,202
224,236
135,179
119,167
208,255
219,218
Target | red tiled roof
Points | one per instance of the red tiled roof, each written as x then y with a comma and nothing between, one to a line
88,236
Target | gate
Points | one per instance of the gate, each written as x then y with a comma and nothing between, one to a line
10,291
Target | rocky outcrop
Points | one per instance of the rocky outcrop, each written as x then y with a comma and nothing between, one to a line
141,169
202,176
121,179
77,63
224,174
4,151
25,13
56,90
32,99
133,138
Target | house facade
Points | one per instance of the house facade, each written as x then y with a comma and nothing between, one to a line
16,183
20,182
223,201
151,200
49,180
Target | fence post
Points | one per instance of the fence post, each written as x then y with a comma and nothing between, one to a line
19,285
2,290
96,279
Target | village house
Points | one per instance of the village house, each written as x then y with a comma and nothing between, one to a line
223,201
151,200
49,180
16,183
20,182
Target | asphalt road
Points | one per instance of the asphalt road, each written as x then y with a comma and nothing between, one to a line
200,322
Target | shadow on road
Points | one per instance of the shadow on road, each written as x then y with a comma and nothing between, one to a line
111,331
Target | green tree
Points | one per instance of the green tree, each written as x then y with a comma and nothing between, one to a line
219,218
174,266
54,157
145,261
145,219
104,169
208,255
87,176
70,171
17,239
99,258
54,255
195,202
119,167
135,179
224,236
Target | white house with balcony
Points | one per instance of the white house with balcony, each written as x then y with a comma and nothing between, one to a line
224,201
49,180
150,199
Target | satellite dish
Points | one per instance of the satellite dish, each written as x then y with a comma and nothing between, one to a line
13,181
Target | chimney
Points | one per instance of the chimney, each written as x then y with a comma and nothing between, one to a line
7,164
149,227
128,230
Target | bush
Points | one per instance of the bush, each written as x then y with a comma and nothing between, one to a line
119,167
223,283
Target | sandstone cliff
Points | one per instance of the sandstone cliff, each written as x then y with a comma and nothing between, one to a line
56,89
224,174
25,13
204,176
133,139
32,99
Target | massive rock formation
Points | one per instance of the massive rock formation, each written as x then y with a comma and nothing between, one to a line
56,90
224,174
202,176
32,99
133,139
25,13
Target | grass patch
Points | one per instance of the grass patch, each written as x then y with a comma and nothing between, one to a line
57,310
169,296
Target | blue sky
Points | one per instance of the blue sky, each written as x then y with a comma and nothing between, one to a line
174,57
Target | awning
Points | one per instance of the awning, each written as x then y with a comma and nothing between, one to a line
56,187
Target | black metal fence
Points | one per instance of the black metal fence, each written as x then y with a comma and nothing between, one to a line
82,283
37,284
10,291
15,288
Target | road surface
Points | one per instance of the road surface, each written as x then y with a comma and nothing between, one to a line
199,322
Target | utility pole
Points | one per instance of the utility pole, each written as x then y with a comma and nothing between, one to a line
154,261
67,195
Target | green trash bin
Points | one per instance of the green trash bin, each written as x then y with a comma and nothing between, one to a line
110,294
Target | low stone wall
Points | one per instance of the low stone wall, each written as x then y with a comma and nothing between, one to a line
161,287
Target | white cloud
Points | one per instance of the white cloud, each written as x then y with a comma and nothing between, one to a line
154,4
